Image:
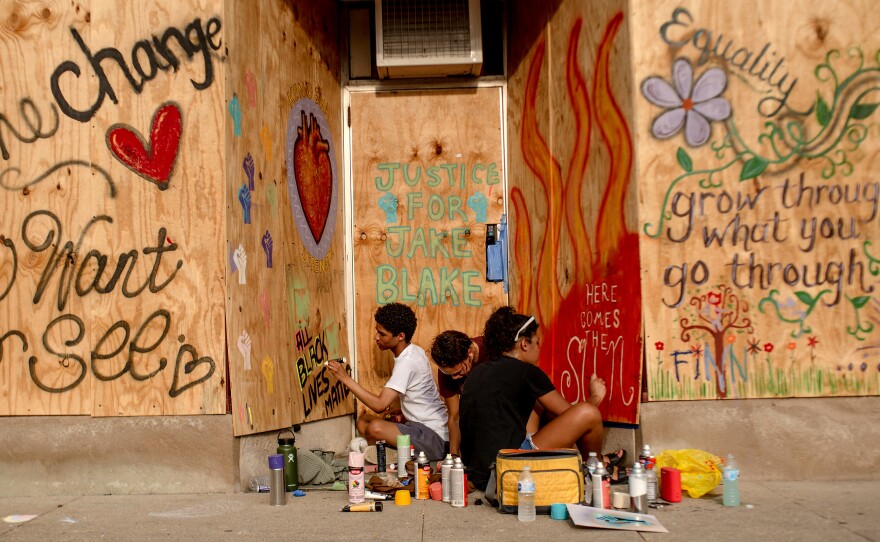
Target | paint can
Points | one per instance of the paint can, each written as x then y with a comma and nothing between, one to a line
458,483
356,490
380,456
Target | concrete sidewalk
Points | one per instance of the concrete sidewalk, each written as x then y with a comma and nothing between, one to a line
777,511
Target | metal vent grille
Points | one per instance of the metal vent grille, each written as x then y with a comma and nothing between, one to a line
425,28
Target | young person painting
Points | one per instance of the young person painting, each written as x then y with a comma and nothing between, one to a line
411,382
455,355
499,395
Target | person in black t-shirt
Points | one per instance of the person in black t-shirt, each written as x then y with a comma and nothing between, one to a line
499,395
455,355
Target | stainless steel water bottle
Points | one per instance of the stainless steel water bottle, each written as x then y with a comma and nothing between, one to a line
277,495
288,450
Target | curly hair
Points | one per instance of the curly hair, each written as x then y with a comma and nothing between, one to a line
450,348
499,334
397,318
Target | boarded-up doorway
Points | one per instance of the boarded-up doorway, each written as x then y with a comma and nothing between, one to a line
428,182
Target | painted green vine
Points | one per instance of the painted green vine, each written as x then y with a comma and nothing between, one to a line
840,133
788,142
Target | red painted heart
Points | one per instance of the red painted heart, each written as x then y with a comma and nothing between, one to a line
153,161
314,174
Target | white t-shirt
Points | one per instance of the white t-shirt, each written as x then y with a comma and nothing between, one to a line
419,399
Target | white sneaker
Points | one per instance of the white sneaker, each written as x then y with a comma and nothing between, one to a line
357,444
370,455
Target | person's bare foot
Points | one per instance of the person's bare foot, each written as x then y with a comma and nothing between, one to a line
597,390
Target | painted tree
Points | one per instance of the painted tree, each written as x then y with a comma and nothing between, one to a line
717,313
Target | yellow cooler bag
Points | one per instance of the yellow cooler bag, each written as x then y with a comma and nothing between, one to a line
558,473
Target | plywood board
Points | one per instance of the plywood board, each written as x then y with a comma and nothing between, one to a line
428,177
112,265
574,248
285,312
758,154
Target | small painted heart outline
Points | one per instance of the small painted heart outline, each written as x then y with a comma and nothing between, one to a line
148,148
188,368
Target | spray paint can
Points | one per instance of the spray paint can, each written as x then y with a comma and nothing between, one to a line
423,472
356,489
458,484
402,454
646,458
445,467
380,456
601,488
638,490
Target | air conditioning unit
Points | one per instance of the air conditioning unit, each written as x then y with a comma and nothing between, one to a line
428,38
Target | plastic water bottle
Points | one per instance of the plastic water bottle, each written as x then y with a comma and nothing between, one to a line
592,462
730,473
588,489
525,486
592,465
651,492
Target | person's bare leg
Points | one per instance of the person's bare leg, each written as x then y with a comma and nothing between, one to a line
580,425
374,428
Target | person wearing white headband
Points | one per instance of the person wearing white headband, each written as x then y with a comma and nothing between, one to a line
498,397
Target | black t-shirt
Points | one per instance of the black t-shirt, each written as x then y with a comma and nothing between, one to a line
496,402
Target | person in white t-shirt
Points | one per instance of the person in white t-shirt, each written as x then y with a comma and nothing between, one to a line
411,382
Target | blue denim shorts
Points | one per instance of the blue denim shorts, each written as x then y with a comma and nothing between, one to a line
527,443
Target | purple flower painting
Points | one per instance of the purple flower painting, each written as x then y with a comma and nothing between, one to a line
687,104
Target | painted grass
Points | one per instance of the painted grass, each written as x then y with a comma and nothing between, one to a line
765,380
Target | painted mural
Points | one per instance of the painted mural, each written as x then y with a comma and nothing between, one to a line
286,312
107,264
591,320
759,222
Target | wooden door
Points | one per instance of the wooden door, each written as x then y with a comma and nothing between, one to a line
428,179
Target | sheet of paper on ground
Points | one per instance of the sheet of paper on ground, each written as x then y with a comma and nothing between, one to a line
587,516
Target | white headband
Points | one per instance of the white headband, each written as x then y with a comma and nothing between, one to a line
523,328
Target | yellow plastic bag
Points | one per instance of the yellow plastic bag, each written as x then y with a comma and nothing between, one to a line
700,471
